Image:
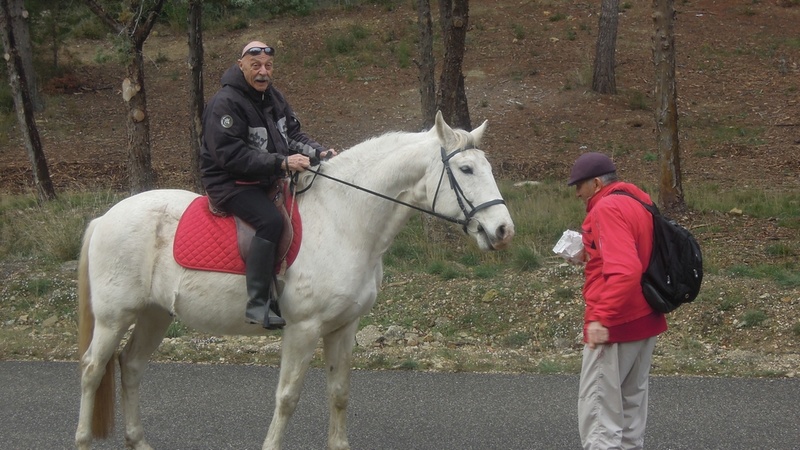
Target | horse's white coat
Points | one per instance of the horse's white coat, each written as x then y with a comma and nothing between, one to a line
335,279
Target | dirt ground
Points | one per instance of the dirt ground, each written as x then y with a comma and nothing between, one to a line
528,72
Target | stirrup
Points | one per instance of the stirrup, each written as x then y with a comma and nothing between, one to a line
273,319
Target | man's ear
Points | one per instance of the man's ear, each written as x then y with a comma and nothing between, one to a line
598,184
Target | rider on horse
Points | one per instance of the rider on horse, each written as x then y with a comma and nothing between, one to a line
251,139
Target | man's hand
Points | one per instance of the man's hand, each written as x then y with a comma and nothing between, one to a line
580,259
296,163
327,154
596,334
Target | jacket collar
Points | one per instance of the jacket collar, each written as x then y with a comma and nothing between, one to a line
604,191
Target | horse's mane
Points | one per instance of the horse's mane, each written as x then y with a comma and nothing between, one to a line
369,152
364,155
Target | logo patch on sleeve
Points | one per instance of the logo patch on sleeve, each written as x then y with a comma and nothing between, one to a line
226,121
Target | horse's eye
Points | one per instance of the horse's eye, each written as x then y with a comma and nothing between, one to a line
466,169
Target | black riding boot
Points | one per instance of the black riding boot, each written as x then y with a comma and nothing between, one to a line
259,271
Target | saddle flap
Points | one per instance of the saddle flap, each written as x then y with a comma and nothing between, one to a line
205,240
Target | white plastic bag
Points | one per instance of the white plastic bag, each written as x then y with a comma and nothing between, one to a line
570,247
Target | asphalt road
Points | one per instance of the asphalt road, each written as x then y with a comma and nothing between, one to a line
187,406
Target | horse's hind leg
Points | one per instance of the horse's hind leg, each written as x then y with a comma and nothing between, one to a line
338,349
151,325
93,362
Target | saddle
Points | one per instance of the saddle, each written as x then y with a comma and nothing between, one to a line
212,240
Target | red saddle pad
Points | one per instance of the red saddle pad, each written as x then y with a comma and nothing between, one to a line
205,241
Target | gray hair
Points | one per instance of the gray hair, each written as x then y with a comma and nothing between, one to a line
608,178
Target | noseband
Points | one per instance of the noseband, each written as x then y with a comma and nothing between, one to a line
463,201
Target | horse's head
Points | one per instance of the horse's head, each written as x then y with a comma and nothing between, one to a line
463,187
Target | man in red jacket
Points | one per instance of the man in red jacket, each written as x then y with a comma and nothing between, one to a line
619,328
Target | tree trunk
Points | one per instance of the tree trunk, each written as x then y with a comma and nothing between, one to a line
452,96
51,24
141,176
19,21
603,79
196,99
670,192
24,107
56,28
426,64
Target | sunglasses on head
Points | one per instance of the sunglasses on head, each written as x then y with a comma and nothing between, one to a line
255,51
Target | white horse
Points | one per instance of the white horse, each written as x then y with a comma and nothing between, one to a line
128,275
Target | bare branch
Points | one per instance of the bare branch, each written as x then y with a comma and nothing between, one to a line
144,31
105,16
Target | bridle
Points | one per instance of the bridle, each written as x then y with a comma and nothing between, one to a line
463,201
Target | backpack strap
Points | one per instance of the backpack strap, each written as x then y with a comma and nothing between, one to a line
652,208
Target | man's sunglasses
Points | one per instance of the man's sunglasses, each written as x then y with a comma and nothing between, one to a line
255,51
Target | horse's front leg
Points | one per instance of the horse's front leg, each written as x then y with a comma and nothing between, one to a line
338,348
297,349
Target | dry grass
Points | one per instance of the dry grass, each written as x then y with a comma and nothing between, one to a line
447,307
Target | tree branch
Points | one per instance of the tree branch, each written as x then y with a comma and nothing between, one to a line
144,31
105,16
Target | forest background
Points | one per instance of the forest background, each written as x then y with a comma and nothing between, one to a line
349,72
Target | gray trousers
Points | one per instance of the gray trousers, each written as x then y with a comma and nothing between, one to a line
612,398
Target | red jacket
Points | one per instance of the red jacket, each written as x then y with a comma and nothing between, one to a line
618,240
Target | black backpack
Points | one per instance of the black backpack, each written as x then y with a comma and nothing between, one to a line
675,272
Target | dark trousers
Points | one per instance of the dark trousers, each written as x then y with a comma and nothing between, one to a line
255,207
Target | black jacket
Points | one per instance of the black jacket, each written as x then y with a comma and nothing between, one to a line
246,136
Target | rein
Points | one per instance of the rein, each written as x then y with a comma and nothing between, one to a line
468,214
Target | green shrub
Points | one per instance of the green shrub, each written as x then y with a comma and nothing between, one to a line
753,318
346,42
516,339
756,202
444,270
403,51
638,101
408,364
6,99
518,31
175,15
90,27
177,329
487,271
526,259
51,231
730,301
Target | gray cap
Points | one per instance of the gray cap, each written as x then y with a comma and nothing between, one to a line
590,165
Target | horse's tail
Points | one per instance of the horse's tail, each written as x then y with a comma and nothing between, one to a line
103,411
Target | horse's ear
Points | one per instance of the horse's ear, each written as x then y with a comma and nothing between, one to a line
477,133
439,117
447,137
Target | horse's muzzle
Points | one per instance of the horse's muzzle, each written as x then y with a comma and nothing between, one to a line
502,237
